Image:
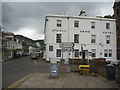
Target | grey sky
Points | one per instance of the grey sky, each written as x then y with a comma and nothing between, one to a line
27,18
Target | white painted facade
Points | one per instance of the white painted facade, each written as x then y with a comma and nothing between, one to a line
67,30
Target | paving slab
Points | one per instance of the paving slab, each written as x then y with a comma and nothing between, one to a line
71,80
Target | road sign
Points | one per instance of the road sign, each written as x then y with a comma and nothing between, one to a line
66,45
63,49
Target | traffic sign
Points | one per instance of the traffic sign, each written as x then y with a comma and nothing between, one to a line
66,45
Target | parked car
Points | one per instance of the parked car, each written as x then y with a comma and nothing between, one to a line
34,56
17,56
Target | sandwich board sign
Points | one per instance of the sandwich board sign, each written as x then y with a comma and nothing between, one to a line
54,70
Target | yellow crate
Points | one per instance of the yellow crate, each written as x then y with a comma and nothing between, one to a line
84,69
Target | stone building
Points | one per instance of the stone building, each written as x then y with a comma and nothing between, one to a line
116,8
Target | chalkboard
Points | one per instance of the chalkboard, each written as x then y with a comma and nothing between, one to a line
54,70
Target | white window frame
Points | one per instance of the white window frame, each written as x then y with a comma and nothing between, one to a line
93,53
107,25
110,52
107,52
59,23
93,38
107,39
92,25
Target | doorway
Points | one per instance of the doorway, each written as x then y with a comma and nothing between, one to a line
84,54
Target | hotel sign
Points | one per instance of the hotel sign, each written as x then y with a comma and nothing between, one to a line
60,30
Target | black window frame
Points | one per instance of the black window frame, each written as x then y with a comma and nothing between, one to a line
76,23
58,38
76,38
58,52
76,53
50,48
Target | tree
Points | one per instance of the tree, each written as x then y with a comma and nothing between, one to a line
109,16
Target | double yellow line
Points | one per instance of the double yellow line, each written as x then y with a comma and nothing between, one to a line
16,84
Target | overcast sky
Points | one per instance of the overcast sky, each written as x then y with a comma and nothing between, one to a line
27,18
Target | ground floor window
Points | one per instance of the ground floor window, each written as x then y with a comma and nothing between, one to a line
108,53
58,53
93,52
76,54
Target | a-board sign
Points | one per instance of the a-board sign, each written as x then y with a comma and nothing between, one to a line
54,70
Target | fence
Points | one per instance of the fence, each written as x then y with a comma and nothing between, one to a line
99,65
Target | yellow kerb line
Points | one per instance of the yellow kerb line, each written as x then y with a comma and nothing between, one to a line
19,81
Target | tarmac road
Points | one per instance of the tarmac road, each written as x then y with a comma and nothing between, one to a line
14,70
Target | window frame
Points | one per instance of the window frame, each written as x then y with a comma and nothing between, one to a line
76,38
93,53
107,25
107,39
110,53
76,23
92,25
58,38
105,52
58,52
76,52
59,23
51,48
93,40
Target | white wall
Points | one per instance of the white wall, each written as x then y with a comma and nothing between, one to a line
84,37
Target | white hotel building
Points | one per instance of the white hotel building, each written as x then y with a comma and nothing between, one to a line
97,37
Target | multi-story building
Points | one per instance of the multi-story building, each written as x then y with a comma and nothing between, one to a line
17,47
116,8
95,37
28,45
7,45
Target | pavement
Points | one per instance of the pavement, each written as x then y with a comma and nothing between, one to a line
69,80
35,74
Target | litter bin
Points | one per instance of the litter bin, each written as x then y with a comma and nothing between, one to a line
110,72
